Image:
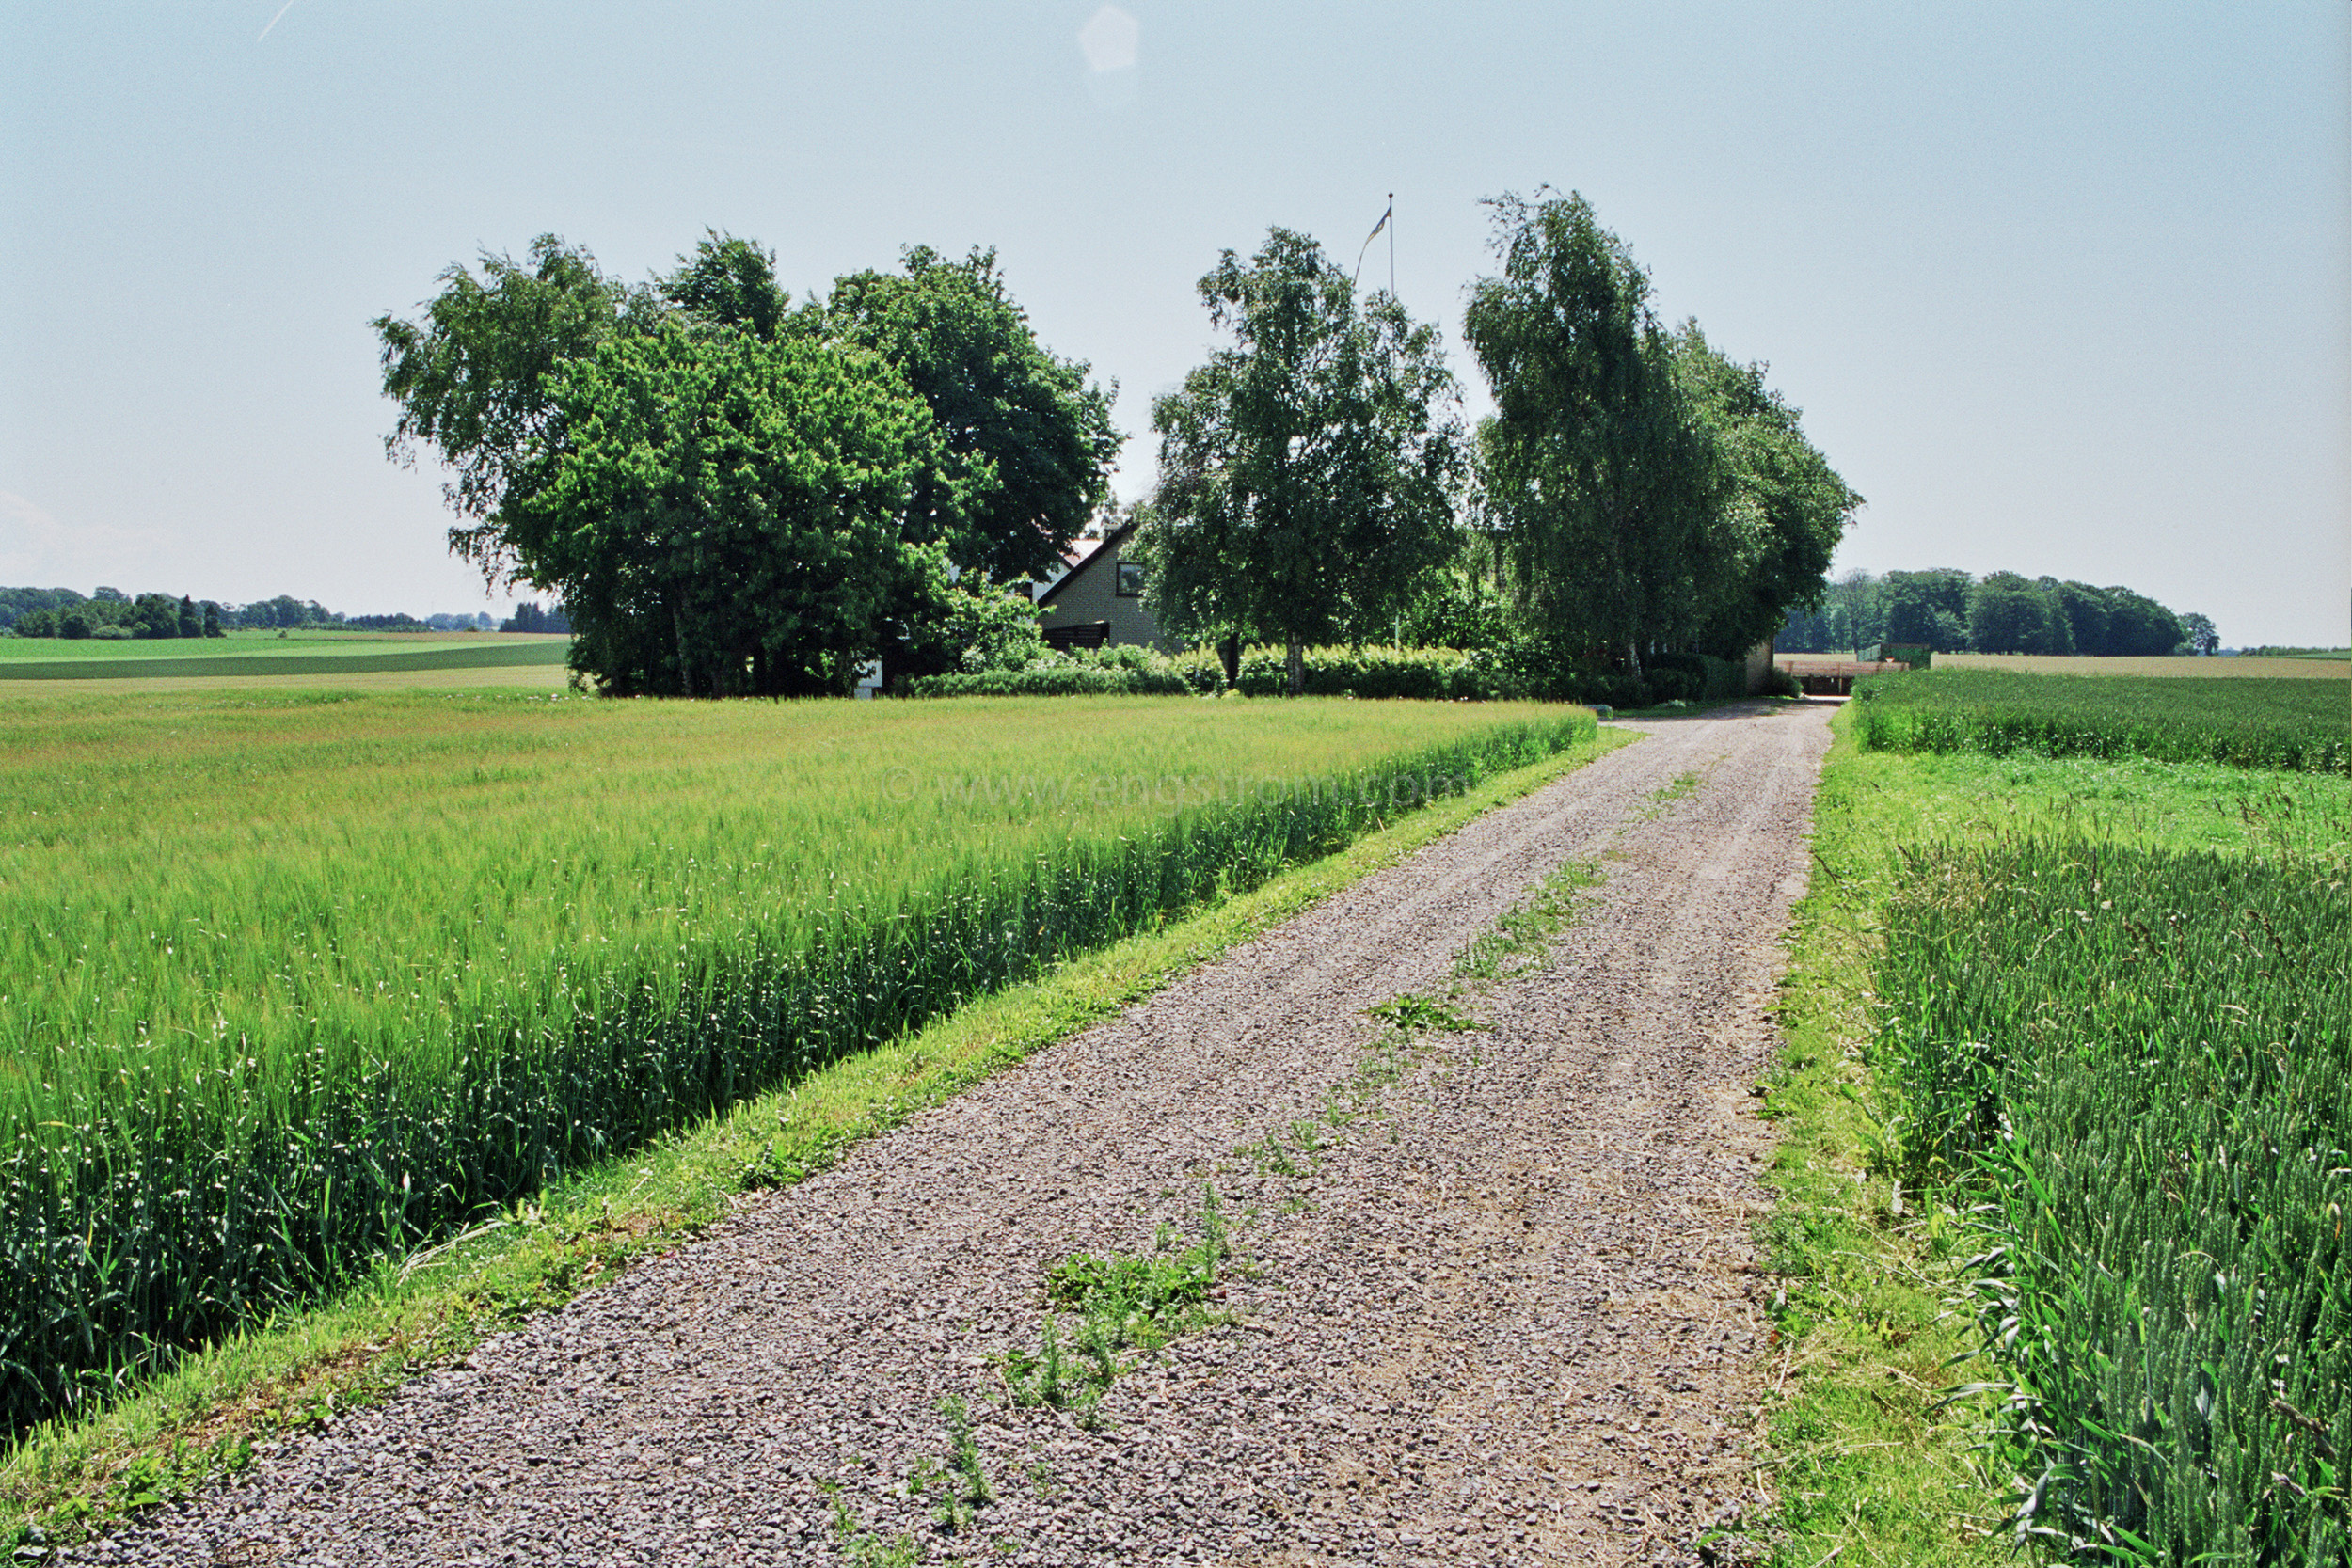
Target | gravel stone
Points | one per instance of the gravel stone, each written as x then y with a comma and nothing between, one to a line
1510,1317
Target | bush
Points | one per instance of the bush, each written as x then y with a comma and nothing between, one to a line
1668,683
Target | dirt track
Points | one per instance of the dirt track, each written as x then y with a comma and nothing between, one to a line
1506,1320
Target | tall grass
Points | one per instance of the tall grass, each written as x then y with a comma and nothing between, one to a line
2139,1062
294,985
2292,724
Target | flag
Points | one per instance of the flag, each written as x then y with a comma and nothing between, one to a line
1374,235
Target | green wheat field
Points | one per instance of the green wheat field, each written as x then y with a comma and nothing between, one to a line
296,980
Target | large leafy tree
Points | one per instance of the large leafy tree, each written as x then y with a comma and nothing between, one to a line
1596,465
2012,614
1026,440
724,514
1020,449
1854,611
2138,627
1783,508
1930,607
470,377
1308,471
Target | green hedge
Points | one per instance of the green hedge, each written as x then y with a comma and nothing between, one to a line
1432,674
1122,671
1519,672
1695,678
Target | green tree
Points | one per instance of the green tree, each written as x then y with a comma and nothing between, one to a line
154,615
1027,441
1595,466
729,284
1308,473
17,603
2088,616
1930,606
723,513
212,627
1855,612
2010,614
1783,507
470,377
1022,455
2198,635
2138,628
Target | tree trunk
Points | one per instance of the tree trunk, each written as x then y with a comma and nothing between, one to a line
685,669
1228,655
1295,667
1633,659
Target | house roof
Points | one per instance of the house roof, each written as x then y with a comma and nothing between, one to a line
1107,550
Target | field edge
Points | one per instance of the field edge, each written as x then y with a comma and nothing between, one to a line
1862,1449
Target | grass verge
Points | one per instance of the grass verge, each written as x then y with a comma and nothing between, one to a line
1868,1460
65,1479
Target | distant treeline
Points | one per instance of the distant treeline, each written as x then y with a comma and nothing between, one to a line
2001,613
111,614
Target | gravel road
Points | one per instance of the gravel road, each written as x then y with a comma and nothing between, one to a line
1507,1318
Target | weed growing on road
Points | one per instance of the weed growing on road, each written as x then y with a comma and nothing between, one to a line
1680,787
861,1546
1526,929
1123,1300
1412,1012
962,1485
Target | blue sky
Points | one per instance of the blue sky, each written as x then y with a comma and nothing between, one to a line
2061,289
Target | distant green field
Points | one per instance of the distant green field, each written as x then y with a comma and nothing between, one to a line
2307,665
2254,723
333,654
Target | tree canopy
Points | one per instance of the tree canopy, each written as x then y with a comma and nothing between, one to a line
1026,440
1626,523
1308,471
469,379
2002,612
1017,454
722,517
1782,507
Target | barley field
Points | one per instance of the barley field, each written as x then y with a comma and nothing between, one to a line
291,981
